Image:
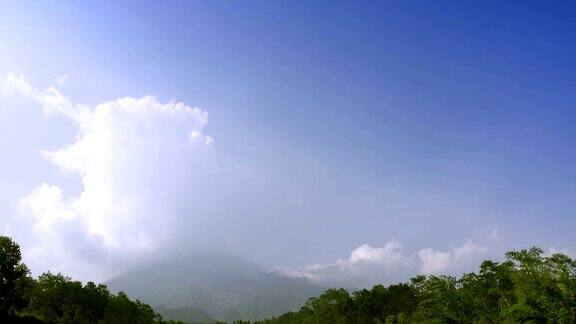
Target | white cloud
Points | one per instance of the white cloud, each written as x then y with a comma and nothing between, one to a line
388,253
148,172
494,236
139,161
16,83
554,250
63,80
368,265
432,261
51,100
365,265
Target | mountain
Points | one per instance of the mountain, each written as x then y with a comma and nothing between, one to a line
189,314
224,286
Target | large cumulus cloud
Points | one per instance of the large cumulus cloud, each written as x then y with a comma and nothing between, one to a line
151,182
139,161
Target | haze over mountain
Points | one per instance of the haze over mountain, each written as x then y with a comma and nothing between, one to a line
340,143
225,286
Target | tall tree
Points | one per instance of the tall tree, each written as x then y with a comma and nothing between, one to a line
15,279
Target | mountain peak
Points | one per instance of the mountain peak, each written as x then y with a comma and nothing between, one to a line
217,282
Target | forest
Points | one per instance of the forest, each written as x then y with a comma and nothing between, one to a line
55,298
527,287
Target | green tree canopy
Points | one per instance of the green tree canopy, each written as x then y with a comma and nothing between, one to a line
15,280
528,287
55,298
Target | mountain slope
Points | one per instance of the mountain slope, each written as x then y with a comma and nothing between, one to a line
225,286
185,314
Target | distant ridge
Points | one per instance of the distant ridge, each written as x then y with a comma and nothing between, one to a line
192,315
222,285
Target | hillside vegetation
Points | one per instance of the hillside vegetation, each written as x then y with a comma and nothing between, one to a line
54,298
225,286
528,287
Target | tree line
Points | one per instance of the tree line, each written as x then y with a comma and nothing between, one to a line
528,287
54,298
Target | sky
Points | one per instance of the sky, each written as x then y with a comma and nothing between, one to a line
340,141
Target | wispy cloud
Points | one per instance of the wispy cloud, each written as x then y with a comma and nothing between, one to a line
63,80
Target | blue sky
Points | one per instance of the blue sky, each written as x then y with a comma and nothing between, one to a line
433,125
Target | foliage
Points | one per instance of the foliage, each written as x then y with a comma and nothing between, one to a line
58,299
15,280
527,287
